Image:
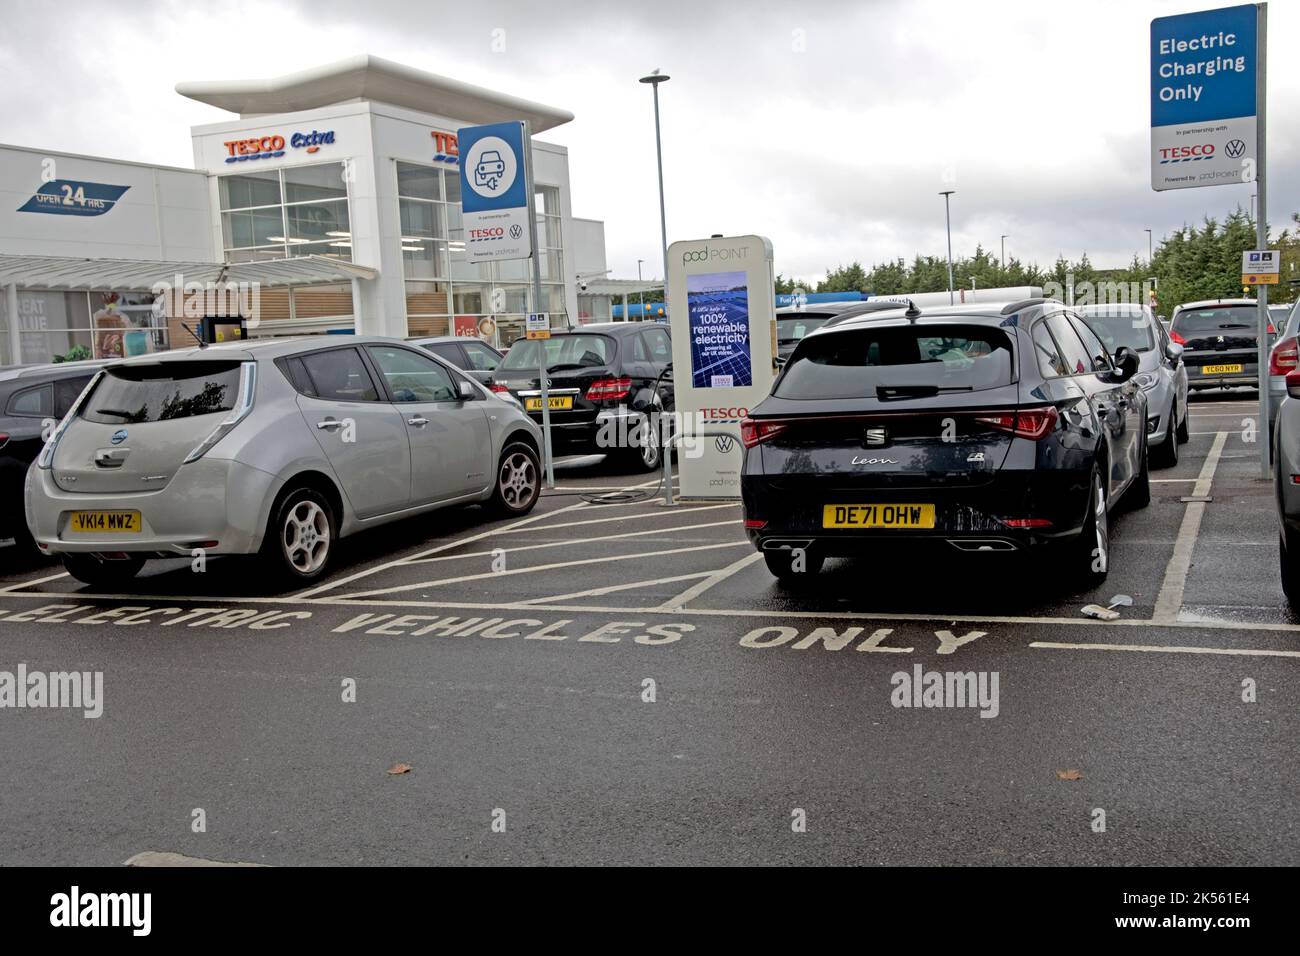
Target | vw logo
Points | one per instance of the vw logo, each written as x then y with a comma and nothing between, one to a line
724,443
516,231
119,436
1235,148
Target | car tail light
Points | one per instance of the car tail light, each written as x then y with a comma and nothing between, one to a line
1271,330
755,523
1026,522
1031,423
1293,384
756,432
498,388
4,439
1285,357
1176,338
609,389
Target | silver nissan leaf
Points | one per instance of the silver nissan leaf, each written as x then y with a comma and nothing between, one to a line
276,448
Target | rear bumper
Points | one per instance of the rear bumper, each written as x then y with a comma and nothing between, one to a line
1249,374
211,499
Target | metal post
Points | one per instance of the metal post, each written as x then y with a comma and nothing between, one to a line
947,215
1004,253
1261,228
654,79
1150,248
542,381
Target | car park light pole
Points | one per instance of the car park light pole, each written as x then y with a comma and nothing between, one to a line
654,79
1004,253
947,215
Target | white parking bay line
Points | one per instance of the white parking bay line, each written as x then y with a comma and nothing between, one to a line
1170,599
664,513
543,567
1161,649
717,577
21,585
321,589
566,542
610,589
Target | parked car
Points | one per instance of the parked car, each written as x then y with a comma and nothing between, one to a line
1286,485
792,323
32,400
1161,373
980,428
471,355
276,448
1220,341
1284,356
604,380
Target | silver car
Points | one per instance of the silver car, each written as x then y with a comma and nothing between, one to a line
1286,485
1284,357
1161,374
276,448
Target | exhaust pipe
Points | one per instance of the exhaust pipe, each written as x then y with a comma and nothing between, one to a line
783,544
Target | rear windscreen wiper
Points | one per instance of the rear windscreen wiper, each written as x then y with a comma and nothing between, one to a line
565,367
1234,325
115,412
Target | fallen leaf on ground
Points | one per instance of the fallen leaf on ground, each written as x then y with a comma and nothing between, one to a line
399,768
1060,774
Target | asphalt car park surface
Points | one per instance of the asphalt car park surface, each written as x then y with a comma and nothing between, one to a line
626,682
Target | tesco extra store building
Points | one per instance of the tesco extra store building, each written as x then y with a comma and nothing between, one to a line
335,191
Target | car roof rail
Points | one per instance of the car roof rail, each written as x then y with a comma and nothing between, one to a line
1013,307
864,308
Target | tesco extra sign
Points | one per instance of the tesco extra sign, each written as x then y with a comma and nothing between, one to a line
273,146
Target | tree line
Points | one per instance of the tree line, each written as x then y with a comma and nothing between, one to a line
1191,263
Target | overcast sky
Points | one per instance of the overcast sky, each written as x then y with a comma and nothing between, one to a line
827,126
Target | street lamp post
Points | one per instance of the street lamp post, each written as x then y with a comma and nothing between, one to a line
654,79
1150,252
640,292
947,215
1004,253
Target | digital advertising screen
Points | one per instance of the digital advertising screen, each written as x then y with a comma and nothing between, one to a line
718,307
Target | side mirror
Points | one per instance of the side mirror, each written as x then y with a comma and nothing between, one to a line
779,362
1174,352
466,391
1293,383
1127,362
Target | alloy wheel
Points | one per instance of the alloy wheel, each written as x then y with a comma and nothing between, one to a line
306,537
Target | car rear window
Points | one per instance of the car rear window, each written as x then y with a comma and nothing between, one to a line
562,351
857,363
794,329
131,394
1241,319
1116,327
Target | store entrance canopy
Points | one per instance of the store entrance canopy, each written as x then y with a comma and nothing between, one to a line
144,275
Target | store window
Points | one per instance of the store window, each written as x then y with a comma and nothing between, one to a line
443,285
73,326
281,213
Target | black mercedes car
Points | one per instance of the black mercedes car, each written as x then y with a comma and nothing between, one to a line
979,428
33,398
603,379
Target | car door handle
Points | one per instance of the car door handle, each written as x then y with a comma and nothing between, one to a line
417,421
328,424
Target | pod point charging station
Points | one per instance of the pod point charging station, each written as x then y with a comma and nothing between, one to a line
722,310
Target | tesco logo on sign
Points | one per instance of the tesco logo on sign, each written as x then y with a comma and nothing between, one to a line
492,232
1186,153
724,414
272,147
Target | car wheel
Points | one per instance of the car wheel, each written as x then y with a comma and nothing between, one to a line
1089,554
1288,549
98,572
1184,432
1165,455
519,481
644,455
793,565
300,539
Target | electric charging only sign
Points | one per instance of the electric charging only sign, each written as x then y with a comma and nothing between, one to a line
1203,102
